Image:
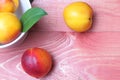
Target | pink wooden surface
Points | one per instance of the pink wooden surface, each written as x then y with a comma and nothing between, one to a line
93,55
106,15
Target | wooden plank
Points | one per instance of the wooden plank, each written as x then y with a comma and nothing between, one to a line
106,15
85,56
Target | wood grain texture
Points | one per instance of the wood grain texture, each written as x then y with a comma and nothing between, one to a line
86,56
93,55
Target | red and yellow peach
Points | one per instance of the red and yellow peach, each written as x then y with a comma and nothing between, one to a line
36,62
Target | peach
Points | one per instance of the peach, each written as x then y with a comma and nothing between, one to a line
10,27
37,62
78,16
9,5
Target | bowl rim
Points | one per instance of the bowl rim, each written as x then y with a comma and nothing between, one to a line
22,34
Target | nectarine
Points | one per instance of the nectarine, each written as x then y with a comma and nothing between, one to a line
36,62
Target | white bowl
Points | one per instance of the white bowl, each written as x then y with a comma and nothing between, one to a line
23,6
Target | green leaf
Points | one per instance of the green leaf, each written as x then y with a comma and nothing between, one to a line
30,17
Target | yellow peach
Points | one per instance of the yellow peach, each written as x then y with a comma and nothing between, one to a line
10,27
9,5
78,16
